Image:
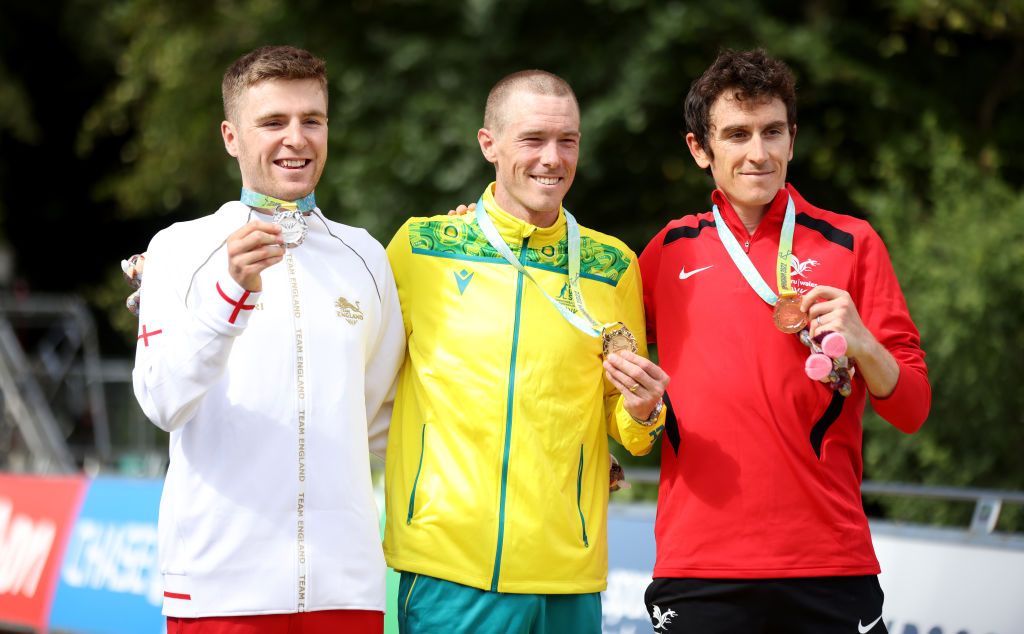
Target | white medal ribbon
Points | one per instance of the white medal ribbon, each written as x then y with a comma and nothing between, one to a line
742,261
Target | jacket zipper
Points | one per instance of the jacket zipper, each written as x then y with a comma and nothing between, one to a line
579,507
302,590
508,419
416,481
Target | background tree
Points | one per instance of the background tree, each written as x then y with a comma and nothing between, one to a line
909,116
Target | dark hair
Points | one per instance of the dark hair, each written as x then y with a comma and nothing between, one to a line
267,63
750,75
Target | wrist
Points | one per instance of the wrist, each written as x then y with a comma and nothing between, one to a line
652,417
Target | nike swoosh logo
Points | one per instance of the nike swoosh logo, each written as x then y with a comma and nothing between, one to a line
683,273
863,629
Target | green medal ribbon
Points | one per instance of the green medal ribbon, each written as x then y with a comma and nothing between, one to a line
262,201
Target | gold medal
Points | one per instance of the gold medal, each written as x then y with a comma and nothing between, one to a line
616,338
787,316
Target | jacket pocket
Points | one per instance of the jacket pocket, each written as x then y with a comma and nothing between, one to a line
579,493
416,481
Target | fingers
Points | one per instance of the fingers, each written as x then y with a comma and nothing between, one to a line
635,376
820,294
254,235
254,247
462,210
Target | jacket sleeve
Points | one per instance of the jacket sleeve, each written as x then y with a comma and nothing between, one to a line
182,350
883,309
383,362
650,261
636,438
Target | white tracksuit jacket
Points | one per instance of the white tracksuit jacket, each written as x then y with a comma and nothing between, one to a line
273,401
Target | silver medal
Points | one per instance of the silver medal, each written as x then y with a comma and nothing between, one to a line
293,227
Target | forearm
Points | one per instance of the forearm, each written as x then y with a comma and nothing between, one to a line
879,369
170,381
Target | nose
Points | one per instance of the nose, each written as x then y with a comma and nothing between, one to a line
756,151
294,136
549,154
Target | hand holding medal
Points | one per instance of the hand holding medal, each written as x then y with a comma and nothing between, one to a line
254,247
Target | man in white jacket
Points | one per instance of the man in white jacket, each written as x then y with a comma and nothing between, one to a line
269,340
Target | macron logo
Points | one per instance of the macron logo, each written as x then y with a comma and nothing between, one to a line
683,273
462,278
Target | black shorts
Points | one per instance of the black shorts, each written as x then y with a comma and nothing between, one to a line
806,605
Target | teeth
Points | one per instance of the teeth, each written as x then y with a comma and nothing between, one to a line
546,180
293,162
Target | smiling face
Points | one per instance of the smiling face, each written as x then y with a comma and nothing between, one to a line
749,148
534,150
279,136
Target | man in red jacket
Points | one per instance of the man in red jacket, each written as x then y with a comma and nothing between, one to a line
760,524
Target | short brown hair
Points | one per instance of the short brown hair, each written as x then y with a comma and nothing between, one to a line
266,63
538,82
751,76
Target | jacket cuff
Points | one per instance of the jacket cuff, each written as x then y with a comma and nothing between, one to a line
907,407
636,438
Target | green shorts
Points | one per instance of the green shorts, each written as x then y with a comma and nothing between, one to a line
427,605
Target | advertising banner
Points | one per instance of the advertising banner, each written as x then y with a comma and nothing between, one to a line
35,518
110,578
949,586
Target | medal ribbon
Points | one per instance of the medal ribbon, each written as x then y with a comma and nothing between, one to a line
587,325
262,201
746,267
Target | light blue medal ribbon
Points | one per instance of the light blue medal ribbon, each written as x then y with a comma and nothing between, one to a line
746,267
587,324
262,201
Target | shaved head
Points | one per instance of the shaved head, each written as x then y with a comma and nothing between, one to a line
537,82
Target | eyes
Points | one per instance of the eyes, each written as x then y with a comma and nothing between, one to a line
532,141
274,124
739,135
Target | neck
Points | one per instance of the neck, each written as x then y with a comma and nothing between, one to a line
750,216
535,218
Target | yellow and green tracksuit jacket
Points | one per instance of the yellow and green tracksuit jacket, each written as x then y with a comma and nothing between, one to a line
497,459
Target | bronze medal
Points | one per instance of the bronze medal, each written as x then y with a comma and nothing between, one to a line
617,338
787,316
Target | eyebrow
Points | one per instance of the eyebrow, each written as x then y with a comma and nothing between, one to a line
740,128
563,133
276,115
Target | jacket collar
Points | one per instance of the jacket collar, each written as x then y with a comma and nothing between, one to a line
514,229
771,222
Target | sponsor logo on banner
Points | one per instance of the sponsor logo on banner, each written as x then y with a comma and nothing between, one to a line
114,557
35,515
110,565
25,547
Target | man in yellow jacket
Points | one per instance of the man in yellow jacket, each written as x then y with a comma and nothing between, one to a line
497,462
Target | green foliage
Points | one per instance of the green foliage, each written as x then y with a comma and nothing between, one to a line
961,252
909,115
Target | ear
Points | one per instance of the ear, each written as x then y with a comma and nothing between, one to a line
697,152
792,141
230,136
487,142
